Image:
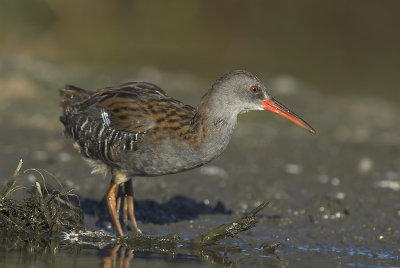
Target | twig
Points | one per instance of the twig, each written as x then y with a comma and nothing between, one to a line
228,230
11,181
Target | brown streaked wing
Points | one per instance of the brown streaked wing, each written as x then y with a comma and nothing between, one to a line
138,107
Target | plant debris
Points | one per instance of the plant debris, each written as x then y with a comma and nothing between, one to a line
171,241
40,216
229,230
43,217
267,248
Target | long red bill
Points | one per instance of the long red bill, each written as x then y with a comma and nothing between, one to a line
276,107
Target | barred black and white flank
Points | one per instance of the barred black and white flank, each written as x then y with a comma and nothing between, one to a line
90,126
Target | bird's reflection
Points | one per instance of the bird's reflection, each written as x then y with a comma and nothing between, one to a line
121,257
214,255
125,259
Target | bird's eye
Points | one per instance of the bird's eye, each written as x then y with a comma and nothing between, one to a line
254,89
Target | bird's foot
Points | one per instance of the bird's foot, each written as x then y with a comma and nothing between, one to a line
137,230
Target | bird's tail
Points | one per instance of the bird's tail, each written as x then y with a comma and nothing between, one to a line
71,96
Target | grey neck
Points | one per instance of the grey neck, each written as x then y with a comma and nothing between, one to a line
220,120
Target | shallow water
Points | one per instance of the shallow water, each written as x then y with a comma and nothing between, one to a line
89,256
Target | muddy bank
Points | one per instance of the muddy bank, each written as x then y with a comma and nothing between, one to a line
334,195
48,220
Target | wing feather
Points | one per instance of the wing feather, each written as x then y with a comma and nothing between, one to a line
136,107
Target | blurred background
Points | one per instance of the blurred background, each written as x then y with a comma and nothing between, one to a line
341,47
347,49
336,63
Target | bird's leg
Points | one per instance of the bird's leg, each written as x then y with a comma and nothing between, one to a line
122,193
111,206
130,205
119,197
125,209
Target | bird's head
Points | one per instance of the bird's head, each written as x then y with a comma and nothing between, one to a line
244,92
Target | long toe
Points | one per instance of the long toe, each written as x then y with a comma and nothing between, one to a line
137,230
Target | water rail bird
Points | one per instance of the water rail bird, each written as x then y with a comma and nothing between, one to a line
136,129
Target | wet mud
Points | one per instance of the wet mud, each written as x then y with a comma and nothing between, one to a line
48,219
333,197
